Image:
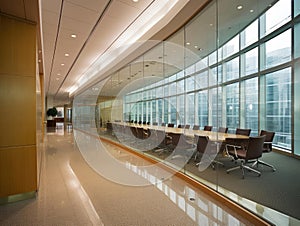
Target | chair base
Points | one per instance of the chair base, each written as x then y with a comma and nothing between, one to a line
263,163
243,167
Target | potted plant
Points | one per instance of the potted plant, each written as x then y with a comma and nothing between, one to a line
51,112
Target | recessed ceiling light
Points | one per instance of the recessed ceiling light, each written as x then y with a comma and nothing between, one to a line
73,35
67,54
188,43
211,25
39,61
251,10
58,74
135,0
62,64
239,7
196,47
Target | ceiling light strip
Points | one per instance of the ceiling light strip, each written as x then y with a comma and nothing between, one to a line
55,44
84,44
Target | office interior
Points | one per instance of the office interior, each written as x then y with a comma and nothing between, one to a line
232,65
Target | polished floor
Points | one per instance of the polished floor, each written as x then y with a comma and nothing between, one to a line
72,193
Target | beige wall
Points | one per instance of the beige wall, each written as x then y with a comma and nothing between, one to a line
18,161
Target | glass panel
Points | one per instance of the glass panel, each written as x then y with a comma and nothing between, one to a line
251,105
277,50
215,101
278,106
180,86
232,106
296,8
201,64
249,35
172,110
215,75
231,47
231,69
190,83
275,17
250,60
296,40
202,80
203,108
190,109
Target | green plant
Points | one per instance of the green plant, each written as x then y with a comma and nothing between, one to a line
52,112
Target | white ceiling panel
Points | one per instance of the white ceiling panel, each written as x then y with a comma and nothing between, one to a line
95,5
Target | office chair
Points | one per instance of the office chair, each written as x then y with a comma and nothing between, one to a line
252,151
266,148
207,128
208,150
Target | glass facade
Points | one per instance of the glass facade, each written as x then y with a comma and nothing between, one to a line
261,51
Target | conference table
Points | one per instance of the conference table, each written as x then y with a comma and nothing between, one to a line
214,136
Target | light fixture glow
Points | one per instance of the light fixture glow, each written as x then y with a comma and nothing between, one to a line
251,10
188,43
239,7
62,64
67,54
73,36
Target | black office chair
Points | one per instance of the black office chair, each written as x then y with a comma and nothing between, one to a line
181,147
187,126
252,151
245,132
171,125
266,148
207,128
208,151
180,126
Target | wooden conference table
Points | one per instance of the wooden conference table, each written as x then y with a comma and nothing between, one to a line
214,136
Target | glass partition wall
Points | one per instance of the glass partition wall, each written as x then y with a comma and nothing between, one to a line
233,66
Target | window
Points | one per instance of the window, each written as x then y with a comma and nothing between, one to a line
250,62
249,35
275,17
251,105
203,108
278,106
232,106
277,50
231,70
231,47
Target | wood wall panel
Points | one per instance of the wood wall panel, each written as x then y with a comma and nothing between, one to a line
18,110
18,169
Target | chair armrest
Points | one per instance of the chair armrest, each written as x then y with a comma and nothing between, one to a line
234,148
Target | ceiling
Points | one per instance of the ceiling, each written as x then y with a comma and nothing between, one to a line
98,24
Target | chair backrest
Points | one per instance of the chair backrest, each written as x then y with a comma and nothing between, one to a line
255,147
268,141
202,142
196,127
160,137
175,138
163,124
171,125
245,132
180,126
269,135
223,129
207,128
187,126
154,123
140,133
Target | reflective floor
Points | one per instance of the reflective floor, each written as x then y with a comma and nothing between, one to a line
72,193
